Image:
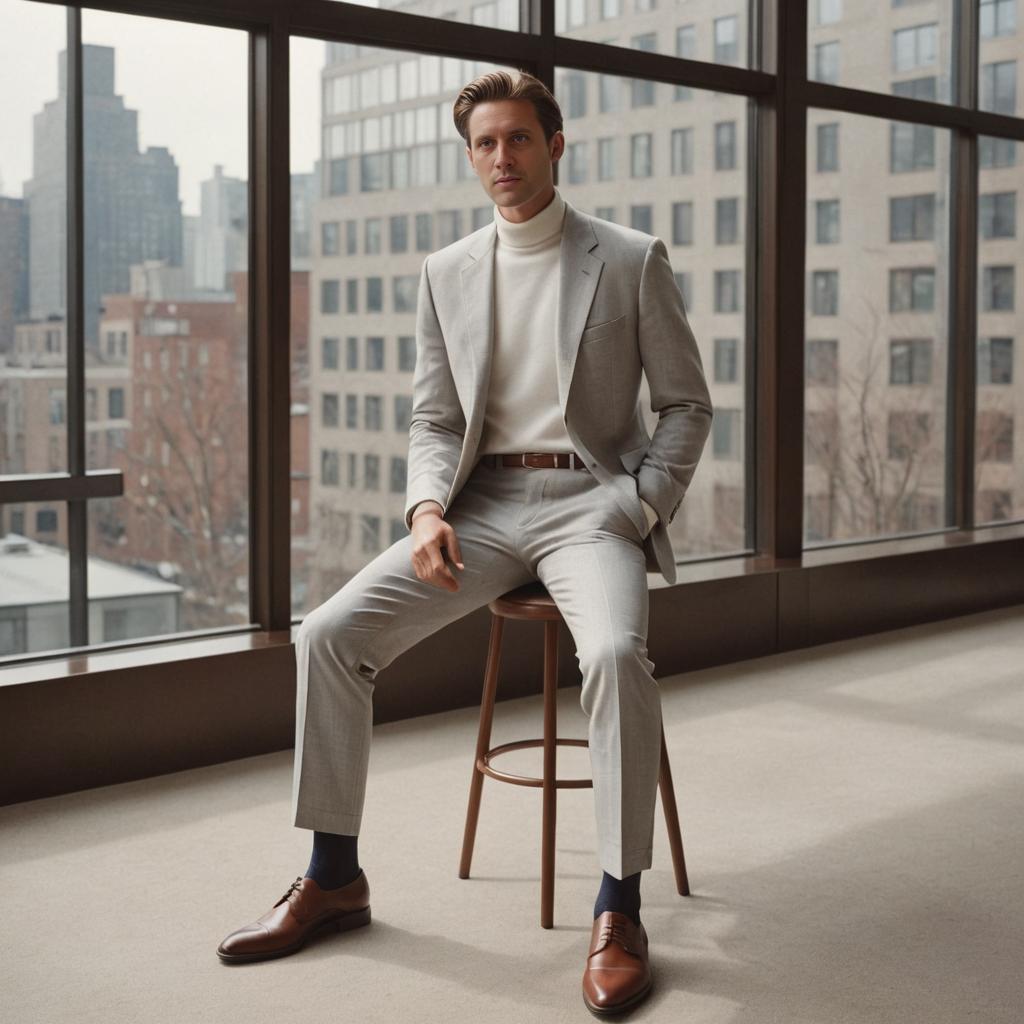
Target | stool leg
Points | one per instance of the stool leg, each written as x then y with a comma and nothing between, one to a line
547,866
483,739
668,805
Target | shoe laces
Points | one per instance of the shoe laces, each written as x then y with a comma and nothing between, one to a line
293,888
615,930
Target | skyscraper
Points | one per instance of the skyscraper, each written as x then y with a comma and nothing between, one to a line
13,267
132,209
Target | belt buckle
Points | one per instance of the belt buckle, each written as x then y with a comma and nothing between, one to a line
530,455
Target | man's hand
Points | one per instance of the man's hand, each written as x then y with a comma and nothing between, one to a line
430,536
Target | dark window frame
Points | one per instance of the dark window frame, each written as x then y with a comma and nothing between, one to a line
270,25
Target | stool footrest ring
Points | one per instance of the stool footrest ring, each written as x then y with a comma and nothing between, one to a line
483,764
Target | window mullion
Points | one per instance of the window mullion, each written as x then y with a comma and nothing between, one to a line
962,316
78,618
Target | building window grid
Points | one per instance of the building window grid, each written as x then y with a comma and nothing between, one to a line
911,289
912,218
681,143
726,360
825,292
827,150
329,353
725,146
997,18
686,46
995,361
997,215
911,147
641,158
998,87
826,221
910,361
682,223
727,221
914,46
826,62
997,287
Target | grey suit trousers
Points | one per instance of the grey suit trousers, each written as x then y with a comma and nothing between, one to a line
561,526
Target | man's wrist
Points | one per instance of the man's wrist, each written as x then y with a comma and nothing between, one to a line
424,508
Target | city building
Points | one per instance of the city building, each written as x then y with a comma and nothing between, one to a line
123,602
133,212
13,267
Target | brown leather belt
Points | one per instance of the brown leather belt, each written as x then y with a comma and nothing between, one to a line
535,460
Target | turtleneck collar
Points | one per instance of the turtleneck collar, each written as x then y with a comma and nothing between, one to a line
539,228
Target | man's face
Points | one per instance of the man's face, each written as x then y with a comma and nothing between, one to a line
506,141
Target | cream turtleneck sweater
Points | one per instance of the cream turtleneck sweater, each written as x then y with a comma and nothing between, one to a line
522,413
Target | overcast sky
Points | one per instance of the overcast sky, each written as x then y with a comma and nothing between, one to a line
187,82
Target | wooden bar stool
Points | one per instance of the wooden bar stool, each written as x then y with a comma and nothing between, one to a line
533,602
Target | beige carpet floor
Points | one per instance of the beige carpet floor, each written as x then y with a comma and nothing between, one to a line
853,817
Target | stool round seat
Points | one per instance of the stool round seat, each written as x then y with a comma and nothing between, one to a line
532,601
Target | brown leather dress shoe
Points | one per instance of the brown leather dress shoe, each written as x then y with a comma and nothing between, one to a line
304,909
618,973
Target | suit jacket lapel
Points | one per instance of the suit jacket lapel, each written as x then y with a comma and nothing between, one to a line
579,273
478,303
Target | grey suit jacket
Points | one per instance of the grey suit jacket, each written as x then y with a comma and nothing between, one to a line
619,311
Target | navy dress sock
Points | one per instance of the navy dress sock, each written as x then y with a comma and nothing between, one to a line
621,895
334,862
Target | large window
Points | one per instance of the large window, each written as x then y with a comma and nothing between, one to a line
136,397
999,419
694,200
410,190
879,380
164,254
33,211
166,259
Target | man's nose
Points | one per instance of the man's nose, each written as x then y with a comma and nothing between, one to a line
502,157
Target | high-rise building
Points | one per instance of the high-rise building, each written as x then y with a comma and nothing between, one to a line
132,210
13,267
222,230
304,193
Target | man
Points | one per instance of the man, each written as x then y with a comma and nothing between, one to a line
528,458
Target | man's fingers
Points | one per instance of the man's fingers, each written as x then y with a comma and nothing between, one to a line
429,563
440,572
454,551
417,568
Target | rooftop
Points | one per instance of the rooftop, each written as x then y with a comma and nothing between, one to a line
35,573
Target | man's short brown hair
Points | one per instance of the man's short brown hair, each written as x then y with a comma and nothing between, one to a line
505,85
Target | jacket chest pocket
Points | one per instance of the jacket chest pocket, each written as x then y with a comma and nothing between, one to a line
602,329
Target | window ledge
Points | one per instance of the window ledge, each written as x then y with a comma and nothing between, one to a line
864,550
730,567
172,650
139,656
